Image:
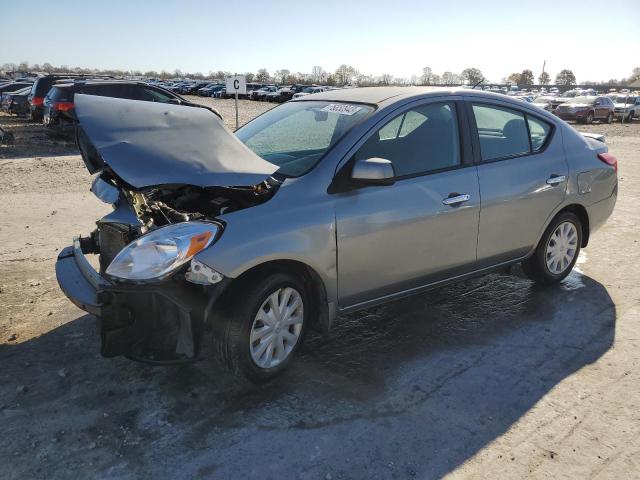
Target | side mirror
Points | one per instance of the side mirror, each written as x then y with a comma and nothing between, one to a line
374,171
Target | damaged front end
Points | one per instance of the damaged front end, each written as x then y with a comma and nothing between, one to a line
166,170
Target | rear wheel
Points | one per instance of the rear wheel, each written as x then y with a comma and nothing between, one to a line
262,325
589,118
557,251
609,118
630,117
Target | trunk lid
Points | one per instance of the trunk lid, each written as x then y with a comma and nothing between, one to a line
149,143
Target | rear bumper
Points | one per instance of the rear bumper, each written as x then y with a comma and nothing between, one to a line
160,323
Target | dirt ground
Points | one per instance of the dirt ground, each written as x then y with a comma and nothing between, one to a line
492,378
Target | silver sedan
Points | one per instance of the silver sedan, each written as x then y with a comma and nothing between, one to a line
335,202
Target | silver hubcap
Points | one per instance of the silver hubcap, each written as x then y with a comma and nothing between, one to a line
276,328
562,247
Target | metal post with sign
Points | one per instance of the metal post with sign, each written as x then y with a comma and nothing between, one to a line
238,85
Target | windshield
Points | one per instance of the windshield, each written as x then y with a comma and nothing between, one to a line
296,135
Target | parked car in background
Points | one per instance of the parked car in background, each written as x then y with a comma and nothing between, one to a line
308,91
282,94
219,92
544,102
193,88
59,106
586,109
251,87
260,93
359,197
293,89
17,102
627,107
208,89
41,87
12,87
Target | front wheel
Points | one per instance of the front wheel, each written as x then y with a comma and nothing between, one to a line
589,119
609,118
557,251
262,325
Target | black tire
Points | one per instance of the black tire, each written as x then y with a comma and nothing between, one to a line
235,316
589,119
609,118
536,266
630,117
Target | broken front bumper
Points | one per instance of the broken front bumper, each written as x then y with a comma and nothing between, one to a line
159,322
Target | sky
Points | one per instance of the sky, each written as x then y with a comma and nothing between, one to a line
597,40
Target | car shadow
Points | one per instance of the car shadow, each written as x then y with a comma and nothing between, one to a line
410,389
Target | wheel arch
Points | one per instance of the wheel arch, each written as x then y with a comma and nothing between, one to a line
322,312
580,212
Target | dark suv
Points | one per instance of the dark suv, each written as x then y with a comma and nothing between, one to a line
41,88
59,114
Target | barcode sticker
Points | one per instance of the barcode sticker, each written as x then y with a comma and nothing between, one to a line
341,108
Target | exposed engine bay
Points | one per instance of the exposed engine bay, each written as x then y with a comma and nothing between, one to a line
166,204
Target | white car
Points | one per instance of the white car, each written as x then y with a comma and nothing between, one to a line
309,91
626,107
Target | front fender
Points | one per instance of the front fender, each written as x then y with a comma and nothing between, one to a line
261,234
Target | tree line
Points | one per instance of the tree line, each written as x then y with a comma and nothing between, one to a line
343,75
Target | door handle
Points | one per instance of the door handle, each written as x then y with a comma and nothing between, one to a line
457,199
556,179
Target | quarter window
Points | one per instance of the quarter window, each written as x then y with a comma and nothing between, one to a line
421,140
539,131
502,132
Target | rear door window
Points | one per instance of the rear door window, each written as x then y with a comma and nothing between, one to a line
502,132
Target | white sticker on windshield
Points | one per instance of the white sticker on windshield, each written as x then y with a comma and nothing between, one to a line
341,108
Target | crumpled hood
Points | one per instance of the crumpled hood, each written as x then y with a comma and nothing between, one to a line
149,143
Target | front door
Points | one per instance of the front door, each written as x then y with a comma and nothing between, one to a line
422,228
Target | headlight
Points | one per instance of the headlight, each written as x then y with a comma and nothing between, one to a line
162,251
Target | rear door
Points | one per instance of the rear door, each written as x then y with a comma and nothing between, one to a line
523,175
399,237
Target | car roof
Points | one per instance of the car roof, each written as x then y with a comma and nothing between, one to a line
379,95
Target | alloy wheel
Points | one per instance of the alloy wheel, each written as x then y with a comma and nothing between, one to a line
276,327
561,248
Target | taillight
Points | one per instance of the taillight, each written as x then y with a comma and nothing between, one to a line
609,159
63,106
37,101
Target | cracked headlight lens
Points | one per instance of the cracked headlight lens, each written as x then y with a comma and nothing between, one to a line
157,254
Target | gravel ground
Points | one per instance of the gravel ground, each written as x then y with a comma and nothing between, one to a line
491,378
